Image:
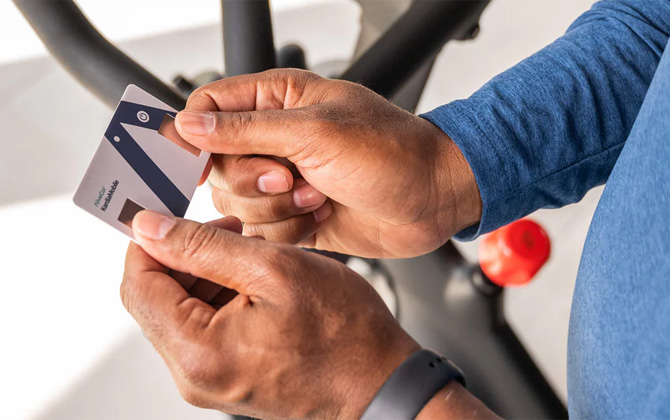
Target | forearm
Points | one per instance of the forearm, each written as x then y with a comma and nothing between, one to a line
455,402
549,129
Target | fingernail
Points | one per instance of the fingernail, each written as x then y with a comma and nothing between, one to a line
196,123
307,196
152,225
273,182
323,212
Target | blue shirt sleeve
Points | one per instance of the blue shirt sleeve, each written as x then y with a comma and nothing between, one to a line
549,129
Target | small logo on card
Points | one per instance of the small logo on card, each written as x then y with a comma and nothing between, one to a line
110,194
143,116
101,194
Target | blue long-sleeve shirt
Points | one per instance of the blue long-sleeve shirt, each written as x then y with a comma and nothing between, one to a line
592,107
551,128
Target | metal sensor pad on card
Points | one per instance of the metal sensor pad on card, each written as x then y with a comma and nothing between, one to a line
128,212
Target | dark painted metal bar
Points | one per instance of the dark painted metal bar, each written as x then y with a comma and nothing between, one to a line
247,36
445,308
412,40
88,56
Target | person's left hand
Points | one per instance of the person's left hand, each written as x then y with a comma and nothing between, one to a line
304,337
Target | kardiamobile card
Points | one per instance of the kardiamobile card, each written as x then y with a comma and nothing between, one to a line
141,163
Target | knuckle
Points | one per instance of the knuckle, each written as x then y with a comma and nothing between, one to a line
232,205
238,180
253,229
299,78
276,74
237,393
259,229
294,81
253,209
221,202
348,89
201,369
240,121
232,173
199,241
276,208
280,233
195,375
219,166
202,91
290,73
191,396
289,231
308,242
196,366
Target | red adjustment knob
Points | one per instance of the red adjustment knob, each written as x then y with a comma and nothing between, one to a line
513,254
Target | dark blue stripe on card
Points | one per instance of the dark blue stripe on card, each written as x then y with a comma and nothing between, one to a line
151,174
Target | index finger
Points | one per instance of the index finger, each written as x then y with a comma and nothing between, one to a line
273,89
157,302
206,252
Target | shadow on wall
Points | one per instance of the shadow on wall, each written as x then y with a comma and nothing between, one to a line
130,382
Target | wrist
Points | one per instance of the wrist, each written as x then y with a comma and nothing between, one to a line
459,201
444,401
455,402
412,385
364,384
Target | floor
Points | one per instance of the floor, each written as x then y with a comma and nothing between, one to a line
70,351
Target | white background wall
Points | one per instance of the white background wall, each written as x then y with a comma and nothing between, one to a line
119,21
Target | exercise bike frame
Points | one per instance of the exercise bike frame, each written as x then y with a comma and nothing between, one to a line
396,66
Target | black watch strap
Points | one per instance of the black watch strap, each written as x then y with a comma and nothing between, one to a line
411,386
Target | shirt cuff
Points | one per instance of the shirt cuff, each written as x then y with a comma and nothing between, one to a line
478,145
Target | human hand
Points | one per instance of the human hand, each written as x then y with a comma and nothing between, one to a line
369,178
304,337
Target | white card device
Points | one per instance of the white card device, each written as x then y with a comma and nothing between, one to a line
141,163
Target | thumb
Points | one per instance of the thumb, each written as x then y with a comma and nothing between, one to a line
282,133
203,250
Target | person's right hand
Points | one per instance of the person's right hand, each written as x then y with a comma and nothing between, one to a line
370,179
